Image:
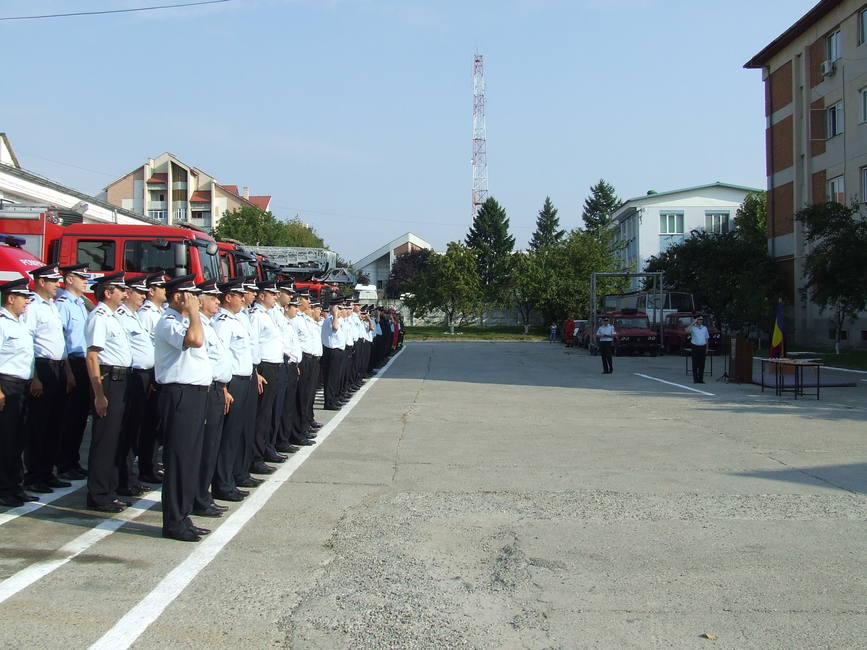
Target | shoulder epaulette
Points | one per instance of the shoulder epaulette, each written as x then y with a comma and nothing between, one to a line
170,317
222,317
60,298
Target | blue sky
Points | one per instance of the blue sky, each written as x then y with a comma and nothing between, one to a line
356,115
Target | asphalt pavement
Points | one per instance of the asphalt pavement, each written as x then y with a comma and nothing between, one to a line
491,495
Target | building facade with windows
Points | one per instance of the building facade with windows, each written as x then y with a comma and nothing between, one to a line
170,191
815,76
647,225
377,265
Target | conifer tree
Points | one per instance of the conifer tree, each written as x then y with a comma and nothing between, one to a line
490,239
599,206
547,227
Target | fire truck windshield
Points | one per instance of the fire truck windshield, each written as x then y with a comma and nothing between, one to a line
143,256
635,322
210,265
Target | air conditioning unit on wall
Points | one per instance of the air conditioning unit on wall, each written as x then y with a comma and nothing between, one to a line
828,68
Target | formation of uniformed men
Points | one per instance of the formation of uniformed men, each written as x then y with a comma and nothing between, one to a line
222,375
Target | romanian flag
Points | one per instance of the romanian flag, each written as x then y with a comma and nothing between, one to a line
778,338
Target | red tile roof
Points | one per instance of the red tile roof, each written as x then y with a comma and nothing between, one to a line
231,188
261,202
159,178
201,196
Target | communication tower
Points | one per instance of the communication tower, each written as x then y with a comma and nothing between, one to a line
480,154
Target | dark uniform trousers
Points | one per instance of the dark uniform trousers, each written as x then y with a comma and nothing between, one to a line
211,439
333,363
150,434
183,415
290,415
606,351
265,409
232,438
11,434
245,457
699,353
134,421
307,389
102,470
43,434
76,409
279,405
346,368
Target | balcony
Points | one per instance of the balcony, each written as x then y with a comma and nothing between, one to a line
159,215
157,205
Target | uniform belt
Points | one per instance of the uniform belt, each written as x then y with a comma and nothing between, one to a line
49,362
271,363
220,385
306,355
190,386
13,380
242,377
119,371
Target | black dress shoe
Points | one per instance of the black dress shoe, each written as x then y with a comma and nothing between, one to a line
287,449
275,458
10,501
332,407
23,496
210,511
39,486
261,468
304,443
250,482
114,507
182,535
199,531
54,482
312,434
72,474
244,493
132,491
316,425
148,477
219,507
235,495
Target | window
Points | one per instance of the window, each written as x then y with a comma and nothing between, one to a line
864,184
160,215
835,120
862,97
141,256
180,214
671,223
98,255
862,26
717,222
834,45
836,191
379,284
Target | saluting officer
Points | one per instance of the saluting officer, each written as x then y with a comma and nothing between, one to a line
292,430
285,404
183,370
266,332
333,350
73,308
149,436
310,337
232,330
51,380
109,358
138,385
219,401
16,362
243,477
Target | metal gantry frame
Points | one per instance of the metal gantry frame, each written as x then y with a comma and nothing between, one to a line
657,291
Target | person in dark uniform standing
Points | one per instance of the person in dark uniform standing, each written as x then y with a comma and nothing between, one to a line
138,386
235,335
183,371
605,336
698,340
51,381
218,404
73,308
109,358
16,370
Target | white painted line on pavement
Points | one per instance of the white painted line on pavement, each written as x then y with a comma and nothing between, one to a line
44,500
860,372
671,383
133,624
27,576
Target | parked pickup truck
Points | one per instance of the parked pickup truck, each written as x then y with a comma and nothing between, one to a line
675,333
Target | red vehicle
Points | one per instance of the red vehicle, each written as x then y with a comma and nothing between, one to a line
632,334
675,333
15,262
109,247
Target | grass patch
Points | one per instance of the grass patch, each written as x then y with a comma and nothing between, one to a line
470,333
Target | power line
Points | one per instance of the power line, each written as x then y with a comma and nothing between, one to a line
115,11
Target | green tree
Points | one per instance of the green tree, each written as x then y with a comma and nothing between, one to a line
256,227
599,206
751,219
406,266
547,227
450,283
489,238
836,265
298,233
729,275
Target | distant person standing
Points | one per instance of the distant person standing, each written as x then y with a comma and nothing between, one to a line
605,337
698,337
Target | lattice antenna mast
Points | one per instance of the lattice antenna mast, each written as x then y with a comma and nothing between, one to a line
480,153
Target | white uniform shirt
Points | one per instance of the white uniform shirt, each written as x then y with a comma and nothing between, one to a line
244,317
176,364
308,334
221,360
140,342
73,316
291,343
42,318
16,346
698,335
266,333
149,315
104,331
605,333
236,339
330,338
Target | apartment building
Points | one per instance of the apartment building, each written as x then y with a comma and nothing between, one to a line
815,76
645,226
170,191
